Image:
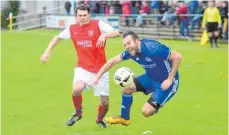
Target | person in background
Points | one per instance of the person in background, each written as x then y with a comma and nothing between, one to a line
225,20
196,18
192,6
211,22
135,8
145,9
67,7
223,9
118,7
97,7
182,12
126,11
163,8
155,6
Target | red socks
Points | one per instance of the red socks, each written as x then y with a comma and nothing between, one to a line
100,113
77,101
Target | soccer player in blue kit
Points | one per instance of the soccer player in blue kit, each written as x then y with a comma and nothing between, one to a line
161,75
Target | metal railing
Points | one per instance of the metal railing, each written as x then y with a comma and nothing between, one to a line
164,26
32,20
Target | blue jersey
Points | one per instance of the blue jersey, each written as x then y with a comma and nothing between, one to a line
153,58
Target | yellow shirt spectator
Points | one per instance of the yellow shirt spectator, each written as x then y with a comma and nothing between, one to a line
211,15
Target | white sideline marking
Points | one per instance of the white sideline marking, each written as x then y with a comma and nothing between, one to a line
146,132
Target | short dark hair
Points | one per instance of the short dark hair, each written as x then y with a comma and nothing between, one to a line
82,7
131,33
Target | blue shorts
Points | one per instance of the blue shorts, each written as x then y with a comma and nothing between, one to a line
150,86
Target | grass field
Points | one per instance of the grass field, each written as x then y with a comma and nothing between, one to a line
36,98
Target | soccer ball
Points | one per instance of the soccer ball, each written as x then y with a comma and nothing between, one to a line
123,76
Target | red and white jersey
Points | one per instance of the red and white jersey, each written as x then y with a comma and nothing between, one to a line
84,39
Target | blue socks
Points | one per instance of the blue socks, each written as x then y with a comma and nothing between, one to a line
127,100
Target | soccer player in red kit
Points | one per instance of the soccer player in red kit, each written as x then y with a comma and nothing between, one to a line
89,39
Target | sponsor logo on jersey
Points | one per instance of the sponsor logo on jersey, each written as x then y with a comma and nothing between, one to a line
137,58
123,107
149,66
90,33
148,59
84,43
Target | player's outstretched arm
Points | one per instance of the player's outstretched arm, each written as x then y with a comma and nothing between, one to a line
175,57
108,65
44,57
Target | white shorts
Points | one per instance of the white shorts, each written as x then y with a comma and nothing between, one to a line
101,89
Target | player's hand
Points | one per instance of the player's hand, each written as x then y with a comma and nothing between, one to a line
166,84
101,41
44,57
94,81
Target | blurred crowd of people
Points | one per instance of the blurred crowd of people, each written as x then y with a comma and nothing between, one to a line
187,14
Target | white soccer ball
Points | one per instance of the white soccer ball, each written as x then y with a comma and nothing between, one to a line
123,76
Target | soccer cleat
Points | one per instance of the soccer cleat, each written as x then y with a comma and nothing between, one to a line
71,121
102,124
117,120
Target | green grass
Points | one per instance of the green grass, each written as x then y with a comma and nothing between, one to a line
36,98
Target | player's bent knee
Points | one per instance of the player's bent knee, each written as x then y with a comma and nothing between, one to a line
78,88
150,107
76,92
148,112
105,103
129,89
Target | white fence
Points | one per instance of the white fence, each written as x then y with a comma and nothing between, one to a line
31,20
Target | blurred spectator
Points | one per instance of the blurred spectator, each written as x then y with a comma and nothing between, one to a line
135,8
112,7
196,19
192,6
169,16
145,9
67,7
104,8
163,8
126,11
218,4
182,12
96,10
224,15
91,5
155,6
118,8
213,20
